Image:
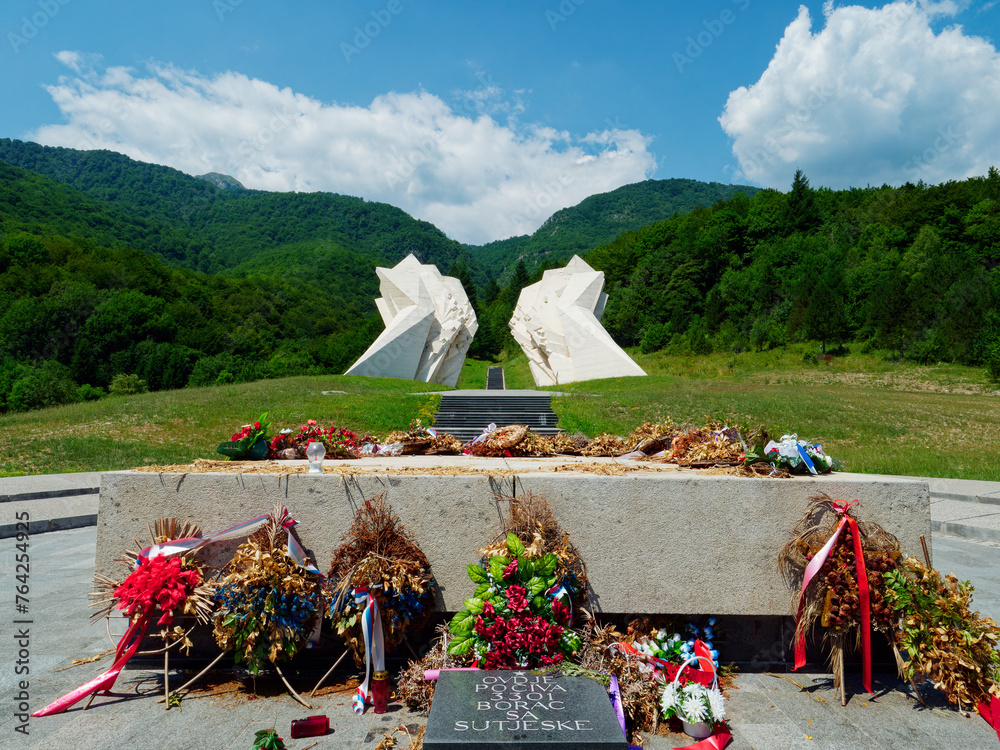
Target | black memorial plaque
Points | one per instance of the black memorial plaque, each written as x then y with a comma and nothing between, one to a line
499,709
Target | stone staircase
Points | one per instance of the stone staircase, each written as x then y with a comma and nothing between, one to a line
494,379
465,414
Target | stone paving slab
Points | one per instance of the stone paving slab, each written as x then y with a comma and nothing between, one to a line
766,711
52,514
968,520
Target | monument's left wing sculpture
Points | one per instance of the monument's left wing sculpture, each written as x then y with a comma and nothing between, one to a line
429,324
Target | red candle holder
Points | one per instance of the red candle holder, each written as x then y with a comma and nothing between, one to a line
380,691
311,726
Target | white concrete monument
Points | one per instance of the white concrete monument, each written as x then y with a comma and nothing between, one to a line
557,322
429,324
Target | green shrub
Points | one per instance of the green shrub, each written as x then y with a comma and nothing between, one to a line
49,384
127,385
993,362
88,392
697,336
655,338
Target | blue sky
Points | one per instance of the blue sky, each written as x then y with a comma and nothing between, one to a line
485,118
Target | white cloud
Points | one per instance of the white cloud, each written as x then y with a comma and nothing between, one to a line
877,96
474,176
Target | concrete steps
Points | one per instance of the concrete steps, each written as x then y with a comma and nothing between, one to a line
465,416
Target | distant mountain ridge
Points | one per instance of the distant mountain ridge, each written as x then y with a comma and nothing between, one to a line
601,218
212,223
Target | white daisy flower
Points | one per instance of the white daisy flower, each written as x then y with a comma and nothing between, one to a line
669,699
693,688
716,705
694,709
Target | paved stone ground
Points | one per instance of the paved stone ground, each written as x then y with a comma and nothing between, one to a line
766,711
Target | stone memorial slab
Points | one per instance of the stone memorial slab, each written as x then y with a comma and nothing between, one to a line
499,710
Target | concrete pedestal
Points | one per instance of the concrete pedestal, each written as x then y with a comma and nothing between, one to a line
654,541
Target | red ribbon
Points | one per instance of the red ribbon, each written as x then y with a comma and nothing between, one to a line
813,568
991,713
719,740
103,683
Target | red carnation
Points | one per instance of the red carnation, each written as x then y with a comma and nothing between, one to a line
256,425
560,611
516,597
511,570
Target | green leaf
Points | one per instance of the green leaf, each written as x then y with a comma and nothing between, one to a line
460,644
462,622
475,606
481,591
525,570
497,564
514,545
477,574
547,565
536,586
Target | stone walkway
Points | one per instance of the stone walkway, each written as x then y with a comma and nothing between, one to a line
766,712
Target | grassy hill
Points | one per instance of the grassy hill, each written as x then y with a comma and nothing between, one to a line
875,415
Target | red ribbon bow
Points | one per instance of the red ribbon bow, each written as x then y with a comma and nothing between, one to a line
813,568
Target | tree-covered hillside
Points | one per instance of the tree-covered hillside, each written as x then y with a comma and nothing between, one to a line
913,269
77,319
193,223
597,220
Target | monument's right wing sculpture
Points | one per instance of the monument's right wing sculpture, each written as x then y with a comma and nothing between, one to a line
557,322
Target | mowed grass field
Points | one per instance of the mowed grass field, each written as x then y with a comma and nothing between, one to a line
180,426
876,415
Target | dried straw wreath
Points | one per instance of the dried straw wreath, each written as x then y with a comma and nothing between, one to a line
378,552
530,518
267,603
832,599
174,585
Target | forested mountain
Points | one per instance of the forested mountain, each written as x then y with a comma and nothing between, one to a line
597,220
913,269
196,224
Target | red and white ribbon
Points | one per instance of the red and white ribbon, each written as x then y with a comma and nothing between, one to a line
842,507
991,713
125,650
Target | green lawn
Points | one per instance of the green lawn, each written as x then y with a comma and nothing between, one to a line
874,414
179,426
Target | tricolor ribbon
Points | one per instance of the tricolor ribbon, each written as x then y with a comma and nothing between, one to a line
842,507
486,433
189,544
371,629
295,550
991,713
300,558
